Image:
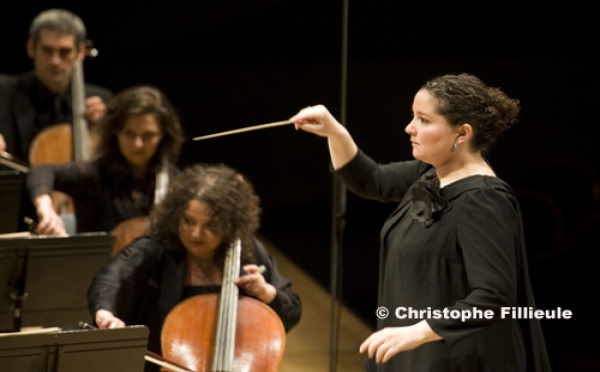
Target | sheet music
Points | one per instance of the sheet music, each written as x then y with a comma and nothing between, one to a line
21,234
32,330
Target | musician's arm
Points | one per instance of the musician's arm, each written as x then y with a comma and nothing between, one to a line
49,222
119,285
286,302
71,178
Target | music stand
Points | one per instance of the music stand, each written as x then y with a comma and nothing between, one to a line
102,350
44,280
11,188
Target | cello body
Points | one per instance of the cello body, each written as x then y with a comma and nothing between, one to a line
126,231
225,332
188,335
55,145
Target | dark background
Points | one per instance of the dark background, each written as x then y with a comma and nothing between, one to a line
231,64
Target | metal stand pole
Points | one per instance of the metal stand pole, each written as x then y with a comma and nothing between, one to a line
338,214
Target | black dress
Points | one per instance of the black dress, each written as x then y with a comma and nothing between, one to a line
459,249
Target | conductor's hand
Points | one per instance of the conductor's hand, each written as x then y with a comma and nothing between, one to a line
49,223
317,120
94,109
106,319
2,143
254,284
387,342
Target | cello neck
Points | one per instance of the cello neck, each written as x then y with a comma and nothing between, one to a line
81,141
81,134
162,180
224,351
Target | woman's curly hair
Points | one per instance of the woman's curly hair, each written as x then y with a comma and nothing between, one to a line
464,98
230,199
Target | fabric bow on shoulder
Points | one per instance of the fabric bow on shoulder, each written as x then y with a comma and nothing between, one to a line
427,202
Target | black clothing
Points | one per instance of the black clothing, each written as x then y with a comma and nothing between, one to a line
27,107
145,281
459,248
101,201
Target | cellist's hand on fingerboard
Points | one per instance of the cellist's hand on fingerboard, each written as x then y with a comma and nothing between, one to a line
255,285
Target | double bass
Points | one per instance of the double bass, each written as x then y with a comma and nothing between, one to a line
224,332
65,142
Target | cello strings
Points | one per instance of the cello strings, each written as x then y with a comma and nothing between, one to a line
226,326
233,305
217,364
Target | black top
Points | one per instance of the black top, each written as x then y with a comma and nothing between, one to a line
459,248
145,281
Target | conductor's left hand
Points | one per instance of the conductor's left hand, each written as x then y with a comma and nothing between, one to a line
386,343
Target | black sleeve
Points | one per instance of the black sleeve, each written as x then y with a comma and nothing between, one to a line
383,182
66,177
286,303
119,286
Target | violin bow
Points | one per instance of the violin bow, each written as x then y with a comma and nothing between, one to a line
247,129
160,361
12,162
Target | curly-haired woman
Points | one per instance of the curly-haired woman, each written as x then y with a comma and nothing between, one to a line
454,244
205,209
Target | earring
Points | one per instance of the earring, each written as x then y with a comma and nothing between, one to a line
454,147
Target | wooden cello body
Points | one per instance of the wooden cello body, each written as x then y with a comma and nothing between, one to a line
189,335
223,332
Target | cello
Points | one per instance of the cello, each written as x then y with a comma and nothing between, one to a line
62,143
224,333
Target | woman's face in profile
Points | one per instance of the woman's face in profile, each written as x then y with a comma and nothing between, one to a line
431,135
